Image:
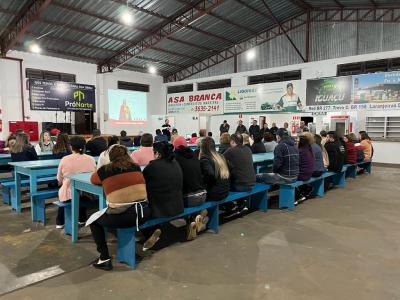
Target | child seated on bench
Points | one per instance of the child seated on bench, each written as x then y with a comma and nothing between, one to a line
77,162
125,189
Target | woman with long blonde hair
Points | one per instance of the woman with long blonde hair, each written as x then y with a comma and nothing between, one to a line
215,171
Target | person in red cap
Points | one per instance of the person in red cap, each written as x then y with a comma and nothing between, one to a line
179,141
54,131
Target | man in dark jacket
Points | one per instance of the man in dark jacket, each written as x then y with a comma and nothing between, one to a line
160,137
224,127
264,130
242,175
274,129
241,128
286,161
254,129
125,140
240,162
336,152
97,144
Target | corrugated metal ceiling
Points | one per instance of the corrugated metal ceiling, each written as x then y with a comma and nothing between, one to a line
91,30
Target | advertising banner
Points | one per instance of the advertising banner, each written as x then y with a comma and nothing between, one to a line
376,88
203,102
272,97
375,91
329,91
63,96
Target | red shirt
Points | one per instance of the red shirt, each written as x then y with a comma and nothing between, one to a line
351,153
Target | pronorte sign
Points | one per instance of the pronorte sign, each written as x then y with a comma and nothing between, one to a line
62,96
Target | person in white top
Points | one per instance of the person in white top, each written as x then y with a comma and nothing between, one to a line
104,158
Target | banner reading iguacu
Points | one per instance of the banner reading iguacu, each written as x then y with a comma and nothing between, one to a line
203,102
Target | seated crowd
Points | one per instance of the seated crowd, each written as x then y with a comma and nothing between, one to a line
160,178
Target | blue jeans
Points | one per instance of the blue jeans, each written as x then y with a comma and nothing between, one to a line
273,178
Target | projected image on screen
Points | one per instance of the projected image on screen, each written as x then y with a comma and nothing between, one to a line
127,107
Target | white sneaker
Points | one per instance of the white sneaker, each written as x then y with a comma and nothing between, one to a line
59,226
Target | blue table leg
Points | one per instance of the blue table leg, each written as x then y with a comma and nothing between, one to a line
213,214
318,187
286,197
126,251
16,201
260,201
74,212
102,202
33,190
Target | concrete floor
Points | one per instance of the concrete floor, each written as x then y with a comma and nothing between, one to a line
344,246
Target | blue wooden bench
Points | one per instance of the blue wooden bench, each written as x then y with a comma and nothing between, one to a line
67,213
352,169
287,191
38,204
8,188
126,251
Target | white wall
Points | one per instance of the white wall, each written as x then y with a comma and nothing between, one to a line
155,99
10,92
316,69
10,89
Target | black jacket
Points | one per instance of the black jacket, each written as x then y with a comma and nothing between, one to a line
126,141
336,154
241,129
191,170
273,130
254,130
65,152
217,188
258,148
223,148
96,145
164,182
240,162
29,153
263,131
136,140
224,128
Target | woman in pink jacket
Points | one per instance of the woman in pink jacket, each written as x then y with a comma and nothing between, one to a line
145,154
75,163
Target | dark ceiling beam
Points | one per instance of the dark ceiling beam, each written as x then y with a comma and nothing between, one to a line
297,21
248,6
141,9
223,19
28,14
182,19
373,3
190,44
67,41
97,16
157,61
338,3
302,4
283,30
83,30
74,28
175,53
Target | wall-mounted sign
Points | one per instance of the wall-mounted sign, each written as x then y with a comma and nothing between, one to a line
272,97
63,96
204,102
